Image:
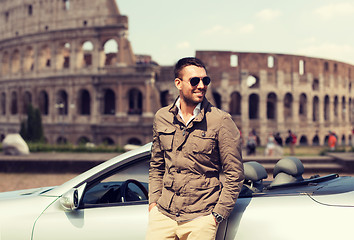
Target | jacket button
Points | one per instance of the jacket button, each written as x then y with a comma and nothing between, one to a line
178,170
177,214
178,193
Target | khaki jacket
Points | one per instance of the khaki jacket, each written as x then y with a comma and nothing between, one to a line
186,162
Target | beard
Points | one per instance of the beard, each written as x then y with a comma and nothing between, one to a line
190,101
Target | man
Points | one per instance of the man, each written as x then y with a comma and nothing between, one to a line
193,142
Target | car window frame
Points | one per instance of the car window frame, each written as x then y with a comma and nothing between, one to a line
98,177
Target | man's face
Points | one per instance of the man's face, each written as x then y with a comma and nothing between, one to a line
192,95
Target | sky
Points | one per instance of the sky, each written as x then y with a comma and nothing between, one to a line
171,29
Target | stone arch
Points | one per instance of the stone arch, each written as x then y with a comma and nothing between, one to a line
303,105
63,55
253,106
164,98
84,102
315,109
335,106
326,108
62,102
26,101
350,111
85,55
5,63
252,81
134,141
15,61
109,102
44,58
135,101
303,140
271,106
316,84
288,106
43,102
217,99
3,103
235,103
326,139
28,61
14,103
110,48
62,140
83,140
316,141
344,108
108,141
66,5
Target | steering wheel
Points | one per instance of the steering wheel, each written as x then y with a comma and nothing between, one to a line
124,191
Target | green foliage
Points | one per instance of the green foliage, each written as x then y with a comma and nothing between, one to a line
43,147
32,128
327,150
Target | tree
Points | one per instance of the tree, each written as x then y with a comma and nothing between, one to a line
32,128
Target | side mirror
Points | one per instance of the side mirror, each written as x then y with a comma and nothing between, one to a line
70,200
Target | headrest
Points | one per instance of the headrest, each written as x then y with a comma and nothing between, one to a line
254,171
290,165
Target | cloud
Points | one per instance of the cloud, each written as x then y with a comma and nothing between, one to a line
332,51
183,45
246,29
268,14
335,9
310,40
217,29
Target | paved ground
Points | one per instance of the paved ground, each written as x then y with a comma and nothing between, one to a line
16,181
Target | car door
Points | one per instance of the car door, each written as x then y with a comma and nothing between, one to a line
105,211
104,223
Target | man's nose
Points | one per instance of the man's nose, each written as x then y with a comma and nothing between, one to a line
201,84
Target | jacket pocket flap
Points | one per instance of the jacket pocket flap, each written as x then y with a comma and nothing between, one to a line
204,142
165,130
166,135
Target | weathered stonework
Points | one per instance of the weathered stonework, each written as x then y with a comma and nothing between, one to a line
72,59
309,96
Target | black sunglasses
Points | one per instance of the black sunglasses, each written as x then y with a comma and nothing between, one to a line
195,81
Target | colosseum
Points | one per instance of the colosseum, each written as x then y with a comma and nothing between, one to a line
74,62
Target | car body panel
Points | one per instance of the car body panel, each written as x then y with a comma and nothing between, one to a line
278,219
320,208
18,215
104,223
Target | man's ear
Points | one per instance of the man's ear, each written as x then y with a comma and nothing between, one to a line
178,83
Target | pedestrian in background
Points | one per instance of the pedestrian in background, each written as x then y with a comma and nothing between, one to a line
291,141
251,143
332,141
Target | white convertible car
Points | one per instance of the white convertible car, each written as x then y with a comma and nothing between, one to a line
110,202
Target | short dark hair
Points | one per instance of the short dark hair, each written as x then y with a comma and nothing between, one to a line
184,62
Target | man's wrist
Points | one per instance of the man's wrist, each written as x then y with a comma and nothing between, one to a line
218,217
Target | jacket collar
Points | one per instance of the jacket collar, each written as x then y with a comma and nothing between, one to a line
203,109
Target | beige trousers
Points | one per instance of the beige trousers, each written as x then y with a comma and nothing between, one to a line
162,227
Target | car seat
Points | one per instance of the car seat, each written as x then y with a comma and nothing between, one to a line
254,175
287,170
